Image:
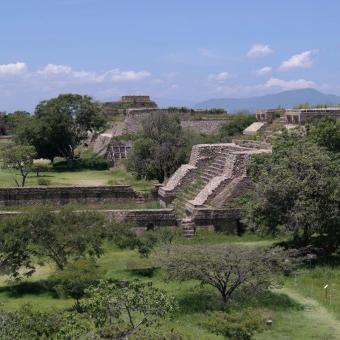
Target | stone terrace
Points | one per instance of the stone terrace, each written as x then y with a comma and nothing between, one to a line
207,186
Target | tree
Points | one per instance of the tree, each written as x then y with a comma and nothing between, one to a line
122,309
76,277
325,132
57,236
19,158
159,149
61,124
236,126
296,192
16,120
229,268
41,165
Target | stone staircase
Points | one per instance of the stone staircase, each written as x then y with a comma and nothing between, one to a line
188,193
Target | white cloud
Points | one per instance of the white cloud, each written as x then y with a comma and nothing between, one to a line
52,69
289,84
259,51
13,69
264,71
67,73
118,75
301,60
220,77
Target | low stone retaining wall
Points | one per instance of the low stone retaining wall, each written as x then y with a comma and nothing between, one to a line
139,219
63,195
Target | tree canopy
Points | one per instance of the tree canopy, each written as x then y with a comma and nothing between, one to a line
159,149
45,234
61,124
229,268
296,191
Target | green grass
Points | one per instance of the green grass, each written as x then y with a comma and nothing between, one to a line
113,176
285,307
310,283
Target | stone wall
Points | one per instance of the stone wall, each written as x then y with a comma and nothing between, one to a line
139,219
63,195
208,127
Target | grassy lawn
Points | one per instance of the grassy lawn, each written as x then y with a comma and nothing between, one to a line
114,176
292,319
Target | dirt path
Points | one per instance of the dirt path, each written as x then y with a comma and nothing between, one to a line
315,312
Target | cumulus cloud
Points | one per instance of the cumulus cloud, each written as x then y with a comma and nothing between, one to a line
13,69
259,51
289,84
264,71
301,60
114,75
220,77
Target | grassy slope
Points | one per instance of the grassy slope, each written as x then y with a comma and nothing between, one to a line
290,320
77,178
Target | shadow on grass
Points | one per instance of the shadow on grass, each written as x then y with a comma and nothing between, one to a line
198,300
28,288
144,272
270,300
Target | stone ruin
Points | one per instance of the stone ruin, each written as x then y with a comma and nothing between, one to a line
109,143
268,120
203,192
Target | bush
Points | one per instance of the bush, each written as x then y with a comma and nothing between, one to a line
235,325
43,181
75,278
41,165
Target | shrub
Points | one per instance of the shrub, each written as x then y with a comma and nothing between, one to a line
76,277
43,181
41,165
235,325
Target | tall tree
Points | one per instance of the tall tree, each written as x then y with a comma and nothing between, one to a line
61,124
296,192
160,148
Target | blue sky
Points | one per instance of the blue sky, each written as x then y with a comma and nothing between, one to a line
177,51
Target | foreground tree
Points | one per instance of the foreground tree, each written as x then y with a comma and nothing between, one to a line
57,236
296,192
229,268
61,124
160,148
121,310
19,158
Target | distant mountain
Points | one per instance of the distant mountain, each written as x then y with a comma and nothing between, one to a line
287,99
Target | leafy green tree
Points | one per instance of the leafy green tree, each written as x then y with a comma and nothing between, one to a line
16,120
61,124
325,132
57,236
296,192
121,310
235,126
19,158
160,148
229,268
76,277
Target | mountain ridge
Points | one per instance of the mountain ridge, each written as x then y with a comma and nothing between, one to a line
286,99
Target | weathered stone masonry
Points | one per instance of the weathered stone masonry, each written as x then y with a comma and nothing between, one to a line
203,191
63,195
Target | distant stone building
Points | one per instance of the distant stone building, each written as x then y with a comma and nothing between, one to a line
302,116
139,101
